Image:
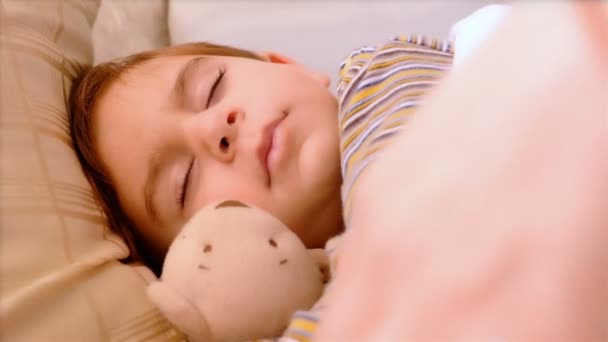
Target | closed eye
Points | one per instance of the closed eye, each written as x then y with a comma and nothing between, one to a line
216,83
183,186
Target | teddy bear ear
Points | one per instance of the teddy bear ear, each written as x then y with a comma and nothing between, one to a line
179,311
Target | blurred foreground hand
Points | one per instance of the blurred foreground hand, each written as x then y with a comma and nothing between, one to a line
488,219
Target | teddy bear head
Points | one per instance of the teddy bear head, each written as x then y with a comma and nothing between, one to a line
235,272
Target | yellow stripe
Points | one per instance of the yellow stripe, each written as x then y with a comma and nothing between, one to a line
362,55
370,99
348,140
381,88
304,324
412,94
298,337
426,58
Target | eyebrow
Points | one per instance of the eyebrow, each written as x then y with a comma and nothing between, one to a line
156,161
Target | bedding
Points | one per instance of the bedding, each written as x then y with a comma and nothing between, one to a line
126,27
60,274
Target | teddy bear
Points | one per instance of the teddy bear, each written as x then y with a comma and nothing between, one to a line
236,273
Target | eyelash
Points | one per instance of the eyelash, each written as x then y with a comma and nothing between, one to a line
181,194
183,187
220,76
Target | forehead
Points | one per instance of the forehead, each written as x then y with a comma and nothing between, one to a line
142,74
171,65
131,111
137,91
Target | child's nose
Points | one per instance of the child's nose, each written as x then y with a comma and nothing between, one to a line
220,134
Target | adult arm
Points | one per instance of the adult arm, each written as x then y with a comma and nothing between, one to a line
487,218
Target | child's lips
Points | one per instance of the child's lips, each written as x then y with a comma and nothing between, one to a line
266,145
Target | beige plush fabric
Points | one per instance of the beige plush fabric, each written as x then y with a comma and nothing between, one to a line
59,275
124,27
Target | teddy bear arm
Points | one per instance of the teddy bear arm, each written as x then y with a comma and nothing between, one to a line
179,311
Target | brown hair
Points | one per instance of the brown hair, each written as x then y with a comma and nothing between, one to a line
86,90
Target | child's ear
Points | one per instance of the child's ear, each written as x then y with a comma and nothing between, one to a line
274,57
322,78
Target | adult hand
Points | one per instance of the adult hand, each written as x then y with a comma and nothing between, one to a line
488,218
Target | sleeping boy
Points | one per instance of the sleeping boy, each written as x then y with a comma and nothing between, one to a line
162,133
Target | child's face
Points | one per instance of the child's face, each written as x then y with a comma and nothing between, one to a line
264,133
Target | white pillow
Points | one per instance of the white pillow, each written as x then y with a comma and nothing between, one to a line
318,34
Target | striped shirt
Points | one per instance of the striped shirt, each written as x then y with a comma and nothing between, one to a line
379,89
